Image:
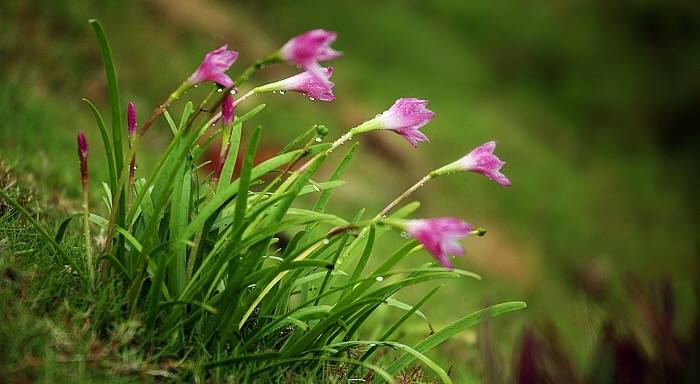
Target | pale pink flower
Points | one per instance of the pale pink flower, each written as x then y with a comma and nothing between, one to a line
214,66
131,118
309,48
440,236
406,117
482,160
227,109
308,84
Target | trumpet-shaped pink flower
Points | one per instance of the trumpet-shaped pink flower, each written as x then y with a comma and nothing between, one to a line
309,48
131,118
308,84
406,117
227,109
440,236
214,66
482,160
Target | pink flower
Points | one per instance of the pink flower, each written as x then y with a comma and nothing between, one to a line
440,236
131,118
482,160
406,117
307,84
307,49
214,66
227,109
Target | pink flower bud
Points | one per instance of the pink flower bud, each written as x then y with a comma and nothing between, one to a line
307,84
82,146
406,117
482,160
227,109
440,236
214,66
131,118
83,157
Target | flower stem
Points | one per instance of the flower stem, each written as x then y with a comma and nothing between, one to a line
86,234
164,105
404,195
337,143
132,175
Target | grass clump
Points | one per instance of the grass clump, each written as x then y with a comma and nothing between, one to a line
195,277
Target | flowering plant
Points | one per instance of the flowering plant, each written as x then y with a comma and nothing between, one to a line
201,262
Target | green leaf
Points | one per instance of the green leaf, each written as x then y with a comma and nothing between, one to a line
320,187
61,231
179,214
118,131
382,373
107,142
216,202
171,122
318,217
320,205
244,180
409,351
398,323
451,330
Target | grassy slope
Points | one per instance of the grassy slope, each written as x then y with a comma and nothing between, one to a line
582,195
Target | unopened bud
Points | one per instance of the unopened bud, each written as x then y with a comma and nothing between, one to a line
227,109
82,156
131,118
321,131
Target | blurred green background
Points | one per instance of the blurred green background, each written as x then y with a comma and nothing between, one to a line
593,103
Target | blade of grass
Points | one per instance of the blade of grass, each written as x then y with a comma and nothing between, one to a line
107,142
458,326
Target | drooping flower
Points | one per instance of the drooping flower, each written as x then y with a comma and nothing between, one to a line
482,160
310,48
440,236
214,66
405,117
227,109
131,118
305,83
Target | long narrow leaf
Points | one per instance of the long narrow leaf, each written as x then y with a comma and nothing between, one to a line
458,326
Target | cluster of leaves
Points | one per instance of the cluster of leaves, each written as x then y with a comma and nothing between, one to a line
204,270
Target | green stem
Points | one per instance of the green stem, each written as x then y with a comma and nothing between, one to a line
223,153
404,195
86,234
